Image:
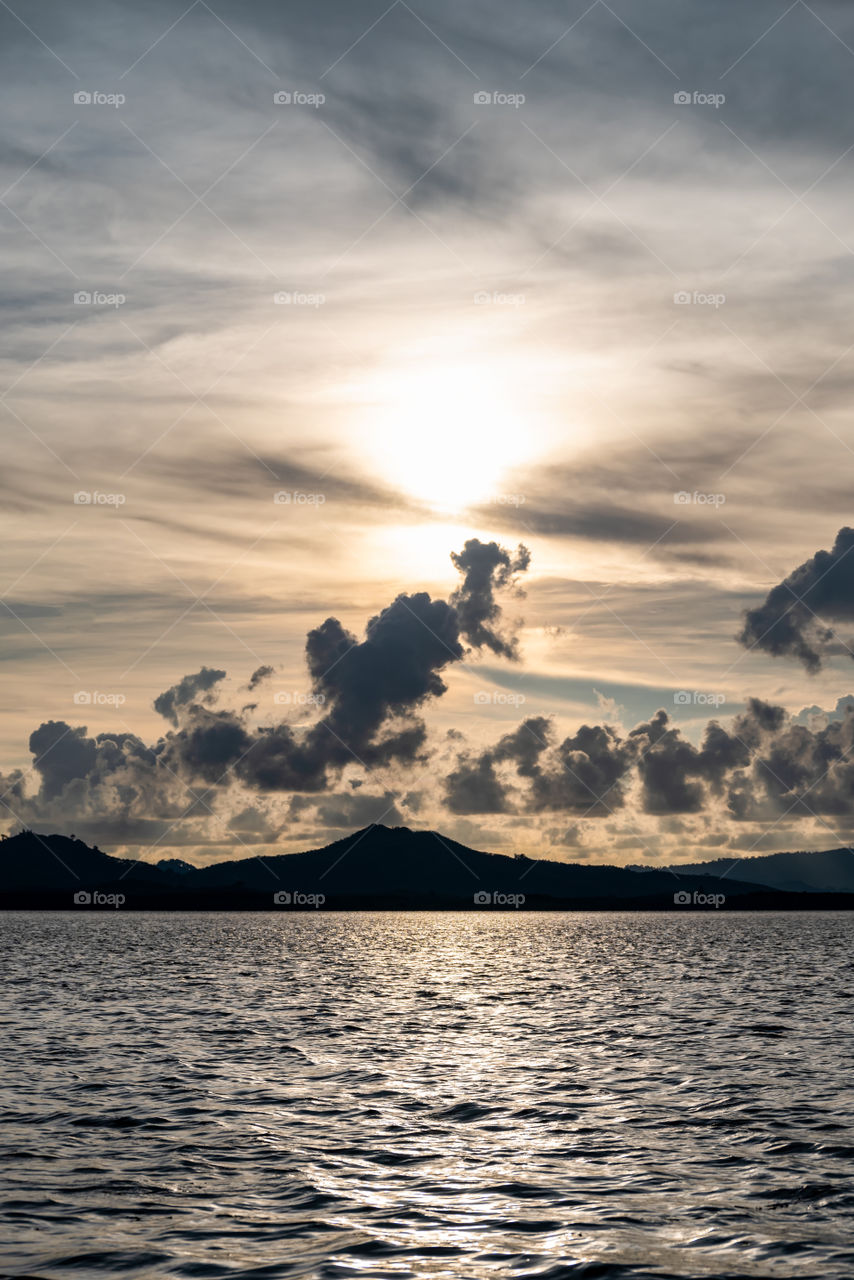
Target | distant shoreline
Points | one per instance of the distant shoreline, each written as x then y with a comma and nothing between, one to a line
348,905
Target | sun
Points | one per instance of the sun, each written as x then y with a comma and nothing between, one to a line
450,435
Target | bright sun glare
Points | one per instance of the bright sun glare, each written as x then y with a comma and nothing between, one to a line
451,435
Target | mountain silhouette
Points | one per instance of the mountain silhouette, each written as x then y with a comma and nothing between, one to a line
828,872
383,867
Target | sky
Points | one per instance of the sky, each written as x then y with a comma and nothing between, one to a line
428,413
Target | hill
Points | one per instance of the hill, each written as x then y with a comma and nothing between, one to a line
828,872
377,867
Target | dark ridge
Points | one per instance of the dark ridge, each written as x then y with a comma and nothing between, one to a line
382,868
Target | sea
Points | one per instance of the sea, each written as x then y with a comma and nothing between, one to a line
427,1095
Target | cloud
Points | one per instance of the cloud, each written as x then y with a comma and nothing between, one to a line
676,776
112,786
61,755
348,811
582,774
474,787
793,620
253,825
367,695
589,773
262,673
494,195
795,770
183,694
381,681
486,568
816,717
193,785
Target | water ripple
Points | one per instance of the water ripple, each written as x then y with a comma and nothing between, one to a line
427,1096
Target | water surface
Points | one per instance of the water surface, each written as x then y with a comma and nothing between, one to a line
427,1095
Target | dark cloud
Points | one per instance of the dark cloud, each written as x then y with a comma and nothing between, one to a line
474,787
585,773
793,620
759,719
61,754
376,682
348,811
253,825
262,673
486,568
187,691
109,785
207,746
676,777
763,767
589,772
368,692
582,774
795,770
